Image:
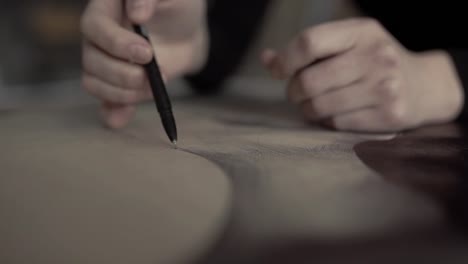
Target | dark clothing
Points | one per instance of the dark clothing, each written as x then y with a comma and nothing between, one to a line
419,27
232,26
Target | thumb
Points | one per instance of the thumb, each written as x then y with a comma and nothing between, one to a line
117,116
140,11
269,59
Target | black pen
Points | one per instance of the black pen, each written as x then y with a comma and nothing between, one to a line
162,101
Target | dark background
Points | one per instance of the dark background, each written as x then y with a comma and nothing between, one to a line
40,40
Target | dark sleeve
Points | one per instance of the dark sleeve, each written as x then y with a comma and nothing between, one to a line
460,59
232,25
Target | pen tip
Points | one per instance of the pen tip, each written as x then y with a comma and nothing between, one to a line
175,144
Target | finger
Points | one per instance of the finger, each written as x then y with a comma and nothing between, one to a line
389,118
106,32
344,100
117,116
267,58
140,11
110,93
108,8
116,72
315,44
328,75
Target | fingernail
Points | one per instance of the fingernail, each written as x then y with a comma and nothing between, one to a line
140,53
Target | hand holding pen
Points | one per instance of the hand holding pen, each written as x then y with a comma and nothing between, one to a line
113,54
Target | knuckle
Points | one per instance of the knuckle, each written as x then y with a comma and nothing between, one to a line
371,23
389,90
306,42
395,114
388,56
118,97
129,97
133,78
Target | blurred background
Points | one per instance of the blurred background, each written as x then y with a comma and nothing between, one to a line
40,44
40,51
40,40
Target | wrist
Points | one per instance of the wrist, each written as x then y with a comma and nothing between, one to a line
200,52
442,87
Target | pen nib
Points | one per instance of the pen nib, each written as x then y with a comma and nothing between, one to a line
174,143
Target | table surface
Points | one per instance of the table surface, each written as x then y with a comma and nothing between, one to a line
251,183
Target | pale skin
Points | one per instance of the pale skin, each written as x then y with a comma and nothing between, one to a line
362,79
113,53
349,75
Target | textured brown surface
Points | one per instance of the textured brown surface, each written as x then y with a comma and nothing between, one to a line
432,159
249,177
72,192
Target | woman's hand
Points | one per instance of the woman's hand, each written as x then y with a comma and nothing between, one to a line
113,53
353,75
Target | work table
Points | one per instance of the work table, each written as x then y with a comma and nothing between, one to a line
251,183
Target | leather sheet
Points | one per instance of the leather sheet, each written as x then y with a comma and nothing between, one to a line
249,175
